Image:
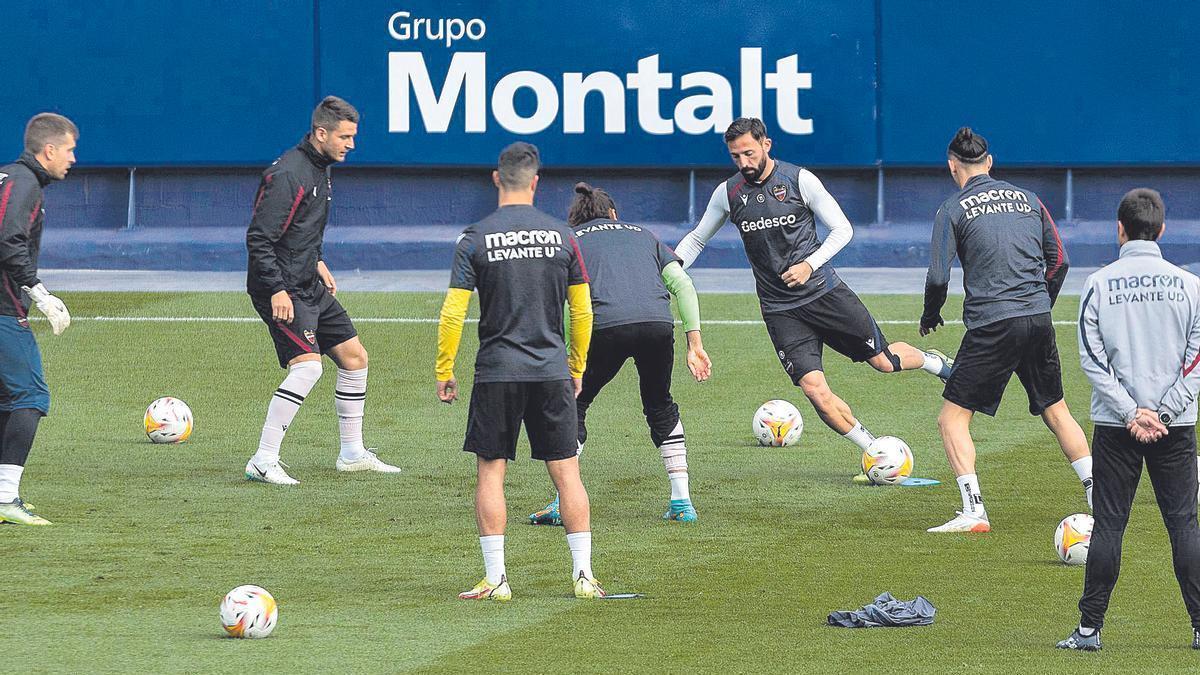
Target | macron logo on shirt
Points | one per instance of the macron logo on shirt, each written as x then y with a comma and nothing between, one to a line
522,244
987,202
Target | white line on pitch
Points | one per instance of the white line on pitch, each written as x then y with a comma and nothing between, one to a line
417,320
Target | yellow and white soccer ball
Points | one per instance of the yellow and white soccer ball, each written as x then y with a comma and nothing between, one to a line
249,612
887,461
168,420
1072,538
777,424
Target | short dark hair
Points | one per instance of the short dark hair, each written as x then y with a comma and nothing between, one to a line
332,110
746,125
518,164
1141,213
45,128
968,147
590,203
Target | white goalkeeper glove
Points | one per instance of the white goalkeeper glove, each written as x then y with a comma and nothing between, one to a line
54,309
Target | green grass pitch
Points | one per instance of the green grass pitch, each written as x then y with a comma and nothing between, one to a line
366,567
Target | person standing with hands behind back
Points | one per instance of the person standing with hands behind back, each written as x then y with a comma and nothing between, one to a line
1139,344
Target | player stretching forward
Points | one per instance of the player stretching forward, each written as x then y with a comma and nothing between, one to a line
24,398
1013,267
631,273
525,265
293,291
804,304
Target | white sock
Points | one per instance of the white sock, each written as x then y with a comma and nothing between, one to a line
1086,632
493,557
349,398
1083,469
674,455
580,544
300,380
10,481
934,365
972,497
679,485
859,436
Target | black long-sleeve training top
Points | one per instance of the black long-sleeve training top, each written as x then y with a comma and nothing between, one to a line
1012,257
285,234
21,216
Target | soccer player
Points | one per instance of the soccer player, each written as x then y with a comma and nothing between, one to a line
1013,265
804,304
526,265
24,397
631,274
1139,344
293,291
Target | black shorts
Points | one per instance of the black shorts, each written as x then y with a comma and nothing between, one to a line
651,345
546,408
838,319
320,324
989,355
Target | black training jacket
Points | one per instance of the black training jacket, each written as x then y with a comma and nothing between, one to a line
21,216
285,233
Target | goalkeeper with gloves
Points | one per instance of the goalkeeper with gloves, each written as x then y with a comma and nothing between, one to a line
24,398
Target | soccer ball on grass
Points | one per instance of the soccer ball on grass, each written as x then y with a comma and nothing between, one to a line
168,420
249,612
887,461
1072,538
777,424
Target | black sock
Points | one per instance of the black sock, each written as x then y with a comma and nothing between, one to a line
19,431
3,422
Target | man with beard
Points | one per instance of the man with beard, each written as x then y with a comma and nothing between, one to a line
805,305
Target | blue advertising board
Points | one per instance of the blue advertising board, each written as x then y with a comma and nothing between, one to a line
851,83
631,84
160,83
1076,82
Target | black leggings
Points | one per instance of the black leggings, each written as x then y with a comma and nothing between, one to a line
1116,470
652,347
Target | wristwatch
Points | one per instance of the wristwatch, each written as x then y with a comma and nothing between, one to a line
1164,417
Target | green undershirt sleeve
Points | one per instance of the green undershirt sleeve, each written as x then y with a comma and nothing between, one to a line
680,285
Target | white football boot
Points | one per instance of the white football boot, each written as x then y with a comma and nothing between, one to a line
368,462
965,522
272,473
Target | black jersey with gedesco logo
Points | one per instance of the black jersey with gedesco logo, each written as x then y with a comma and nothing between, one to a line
522,261
778,230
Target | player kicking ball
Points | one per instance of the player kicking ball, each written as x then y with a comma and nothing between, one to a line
526,266
775,206
293,291
1013,265
633,276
